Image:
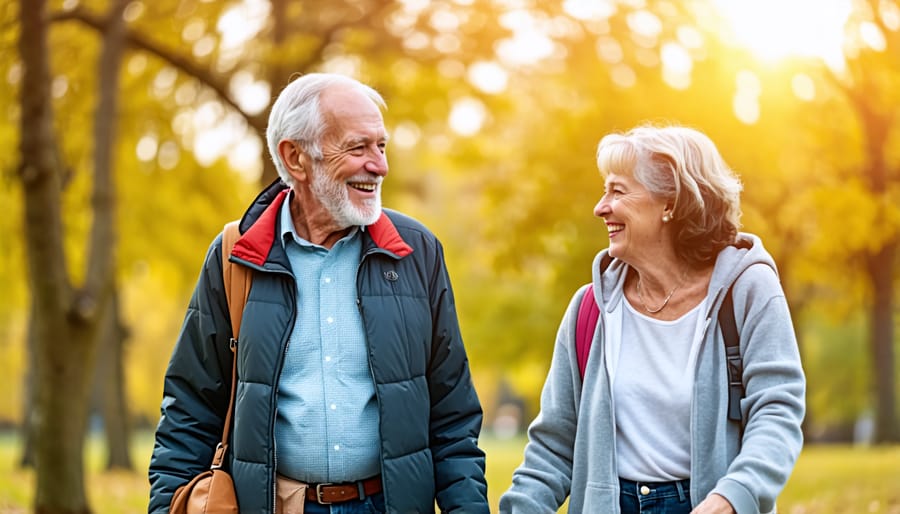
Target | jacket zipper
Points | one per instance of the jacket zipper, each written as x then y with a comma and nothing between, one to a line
365,256
287,341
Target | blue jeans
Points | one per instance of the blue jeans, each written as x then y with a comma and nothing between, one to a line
655,497
373,504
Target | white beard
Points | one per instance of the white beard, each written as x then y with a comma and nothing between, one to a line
335,198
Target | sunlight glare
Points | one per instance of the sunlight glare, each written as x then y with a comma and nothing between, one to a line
609,50
414,5
406,135
803,87
168,155
890,16
528,44
645,24
746,97
193,29
774,29
467,116
163,82
146,148
623,76
242,22
676,66
133,11
589,9
59,86
488,77
690,37
244,158
872,36
252,95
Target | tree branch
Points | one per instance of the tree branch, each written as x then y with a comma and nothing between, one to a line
187,66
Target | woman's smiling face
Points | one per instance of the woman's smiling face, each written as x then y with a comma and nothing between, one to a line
633,218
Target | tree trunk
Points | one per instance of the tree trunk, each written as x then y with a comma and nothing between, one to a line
103,239
64,320
29,414
109,387
61,348
880,270
880,264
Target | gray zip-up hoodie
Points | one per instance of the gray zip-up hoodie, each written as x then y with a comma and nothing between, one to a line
572,442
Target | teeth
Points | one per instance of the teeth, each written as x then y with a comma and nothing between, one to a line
363,186
614,227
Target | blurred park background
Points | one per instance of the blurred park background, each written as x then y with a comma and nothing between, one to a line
132,131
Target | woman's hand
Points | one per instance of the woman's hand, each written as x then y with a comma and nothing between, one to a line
714,504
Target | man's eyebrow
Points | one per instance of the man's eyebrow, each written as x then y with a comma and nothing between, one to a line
357,140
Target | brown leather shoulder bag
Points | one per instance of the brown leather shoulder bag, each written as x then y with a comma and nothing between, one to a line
212,492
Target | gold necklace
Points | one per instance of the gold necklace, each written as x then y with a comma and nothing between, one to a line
665,302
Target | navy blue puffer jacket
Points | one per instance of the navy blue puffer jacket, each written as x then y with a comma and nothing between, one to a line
430,416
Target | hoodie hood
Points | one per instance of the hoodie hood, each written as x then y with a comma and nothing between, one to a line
747,251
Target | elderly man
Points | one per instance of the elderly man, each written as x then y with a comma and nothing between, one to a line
352,379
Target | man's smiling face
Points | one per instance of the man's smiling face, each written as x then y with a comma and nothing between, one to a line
346,182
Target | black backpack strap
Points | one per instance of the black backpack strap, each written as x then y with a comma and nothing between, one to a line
733,355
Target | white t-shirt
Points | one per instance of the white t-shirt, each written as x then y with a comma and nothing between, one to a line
652,394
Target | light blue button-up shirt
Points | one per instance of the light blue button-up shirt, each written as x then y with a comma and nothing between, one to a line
326,428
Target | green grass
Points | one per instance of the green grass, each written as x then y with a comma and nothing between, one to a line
827,479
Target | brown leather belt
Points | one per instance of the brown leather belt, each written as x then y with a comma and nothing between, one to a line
337,493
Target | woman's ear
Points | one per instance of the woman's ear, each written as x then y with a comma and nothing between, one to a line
294,159
668,212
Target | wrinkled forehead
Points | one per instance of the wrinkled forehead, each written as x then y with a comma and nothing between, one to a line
351,114
347,101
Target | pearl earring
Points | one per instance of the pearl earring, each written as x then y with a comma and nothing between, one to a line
666,218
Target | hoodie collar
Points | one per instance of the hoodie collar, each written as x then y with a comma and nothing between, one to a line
747,251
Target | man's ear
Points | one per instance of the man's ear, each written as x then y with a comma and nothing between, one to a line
295,159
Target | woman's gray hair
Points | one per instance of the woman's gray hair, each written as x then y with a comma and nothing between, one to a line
683,167
296,115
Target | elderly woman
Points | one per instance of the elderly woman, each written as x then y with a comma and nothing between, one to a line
646,428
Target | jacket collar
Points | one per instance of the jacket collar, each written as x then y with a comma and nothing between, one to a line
258,234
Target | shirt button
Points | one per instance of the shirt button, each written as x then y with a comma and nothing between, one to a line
328,358
327,280
337,447
333,406
329,319
645,490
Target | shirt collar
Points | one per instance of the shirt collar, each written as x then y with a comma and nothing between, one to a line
288,232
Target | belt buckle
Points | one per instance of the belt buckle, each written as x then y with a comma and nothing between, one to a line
320,493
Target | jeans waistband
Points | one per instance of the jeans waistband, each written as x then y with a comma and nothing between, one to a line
673,488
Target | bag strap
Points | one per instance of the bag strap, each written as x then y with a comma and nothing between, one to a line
585,325
236,279
735,363
589,314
